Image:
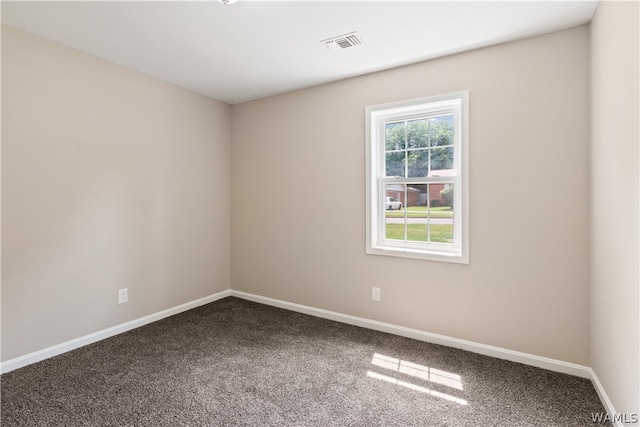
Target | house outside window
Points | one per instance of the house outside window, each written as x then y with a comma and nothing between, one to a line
417,178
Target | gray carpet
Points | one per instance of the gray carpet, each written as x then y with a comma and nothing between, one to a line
238,363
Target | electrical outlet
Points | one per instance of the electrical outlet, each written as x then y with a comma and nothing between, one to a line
123,296
375,294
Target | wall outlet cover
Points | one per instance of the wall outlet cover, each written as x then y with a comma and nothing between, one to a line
123,296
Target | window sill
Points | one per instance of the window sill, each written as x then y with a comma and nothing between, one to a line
429,255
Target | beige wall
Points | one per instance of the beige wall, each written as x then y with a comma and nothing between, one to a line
298,200
615,298
110,179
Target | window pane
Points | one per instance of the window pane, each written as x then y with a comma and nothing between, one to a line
394,136
441,131
394,229
395,201
418,163
395,196
394,163
441,233
419,197
441,159
417,218
441,211
417,230
417,133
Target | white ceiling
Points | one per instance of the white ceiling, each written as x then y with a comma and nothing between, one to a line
253,49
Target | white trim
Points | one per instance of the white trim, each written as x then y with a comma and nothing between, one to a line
487,350
608,406
73,344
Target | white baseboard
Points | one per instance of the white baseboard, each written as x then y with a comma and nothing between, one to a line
487,350
606,402
64,347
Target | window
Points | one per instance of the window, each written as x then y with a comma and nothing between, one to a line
417,178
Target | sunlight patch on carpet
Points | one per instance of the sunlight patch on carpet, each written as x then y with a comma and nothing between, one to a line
415,387
420,372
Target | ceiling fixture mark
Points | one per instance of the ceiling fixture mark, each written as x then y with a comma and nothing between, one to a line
343,41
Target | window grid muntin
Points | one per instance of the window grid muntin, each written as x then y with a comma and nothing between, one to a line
455,244
382,232
429,118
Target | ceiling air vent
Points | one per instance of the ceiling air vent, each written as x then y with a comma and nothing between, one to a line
343,42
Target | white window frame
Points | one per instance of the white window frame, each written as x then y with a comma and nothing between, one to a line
376,116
